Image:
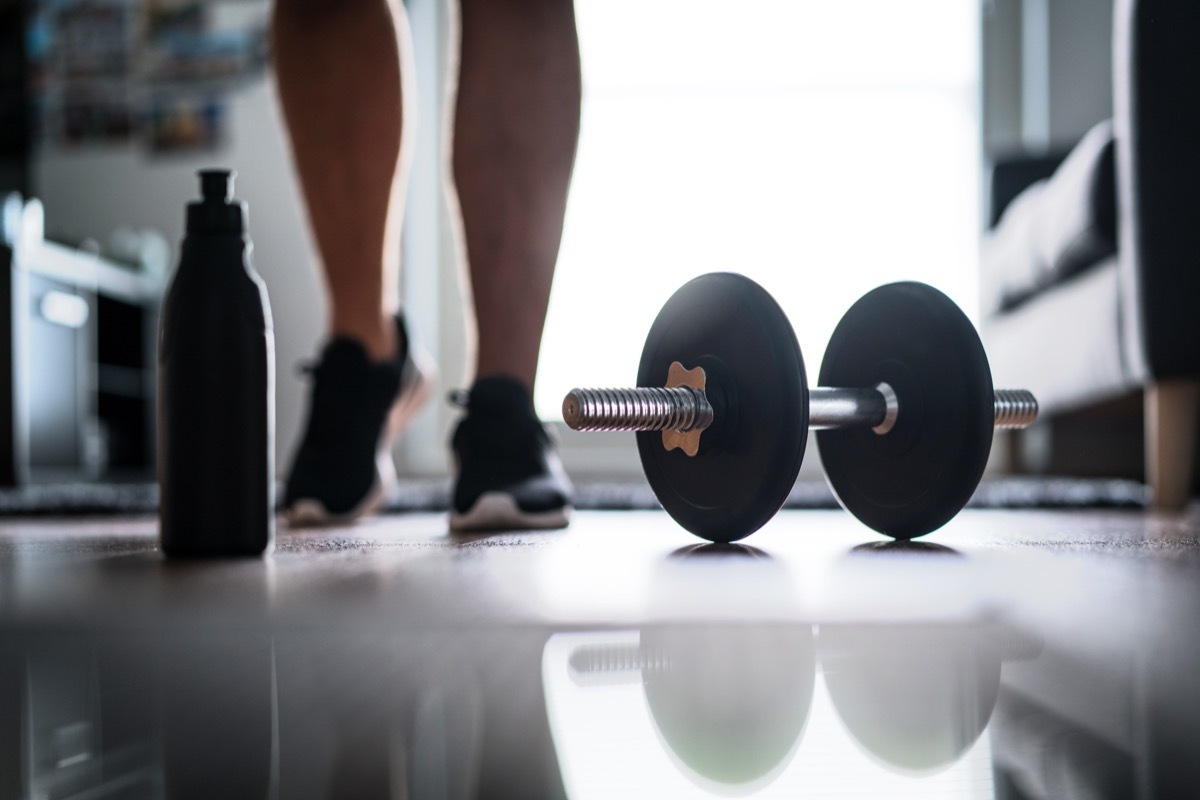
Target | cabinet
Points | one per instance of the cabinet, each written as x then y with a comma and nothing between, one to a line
77,359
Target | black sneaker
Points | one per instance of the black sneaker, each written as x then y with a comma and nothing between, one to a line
509,475
343,468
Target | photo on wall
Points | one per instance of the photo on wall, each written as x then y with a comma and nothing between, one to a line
156,74
179,124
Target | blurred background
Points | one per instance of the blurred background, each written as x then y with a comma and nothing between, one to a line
820,147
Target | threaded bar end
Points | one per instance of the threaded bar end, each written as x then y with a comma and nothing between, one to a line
1015,408
679,408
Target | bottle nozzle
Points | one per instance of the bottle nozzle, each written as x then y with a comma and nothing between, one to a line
216,185
216,212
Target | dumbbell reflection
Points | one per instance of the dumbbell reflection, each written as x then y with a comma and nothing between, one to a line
914,696
732,705
738,707
731,701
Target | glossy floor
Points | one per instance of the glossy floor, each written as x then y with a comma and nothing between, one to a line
1014,654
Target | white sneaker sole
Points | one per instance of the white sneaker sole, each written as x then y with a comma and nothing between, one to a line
311,513
497,511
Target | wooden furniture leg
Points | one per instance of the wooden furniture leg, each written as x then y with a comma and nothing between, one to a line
1172,408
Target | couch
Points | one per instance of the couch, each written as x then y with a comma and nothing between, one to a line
1090,275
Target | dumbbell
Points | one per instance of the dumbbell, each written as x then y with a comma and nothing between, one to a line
723,408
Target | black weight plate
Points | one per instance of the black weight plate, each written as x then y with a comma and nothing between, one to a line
915,478
750,456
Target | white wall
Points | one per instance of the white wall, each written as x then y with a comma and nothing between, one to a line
91,191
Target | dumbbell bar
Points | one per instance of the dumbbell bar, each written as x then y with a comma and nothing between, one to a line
903,451
683,409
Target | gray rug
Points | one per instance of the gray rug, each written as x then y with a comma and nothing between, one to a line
90,499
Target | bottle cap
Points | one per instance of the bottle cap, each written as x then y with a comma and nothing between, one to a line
216,185
217,212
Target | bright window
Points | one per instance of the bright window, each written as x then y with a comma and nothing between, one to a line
821,148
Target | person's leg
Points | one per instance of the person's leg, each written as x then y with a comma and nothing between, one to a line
515,130
346,102
516,126
343,71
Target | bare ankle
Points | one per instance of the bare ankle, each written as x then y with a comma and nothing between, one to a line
378,338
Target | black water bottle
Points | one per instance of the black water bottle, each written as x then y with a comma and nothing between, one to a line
216,388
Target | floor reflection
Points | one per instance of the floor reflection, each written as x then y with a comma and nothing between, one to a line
778,710
968,709
303,714
880,671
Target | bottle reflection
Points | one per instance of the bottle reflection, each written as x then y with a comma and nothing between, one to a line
247,714
219,712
